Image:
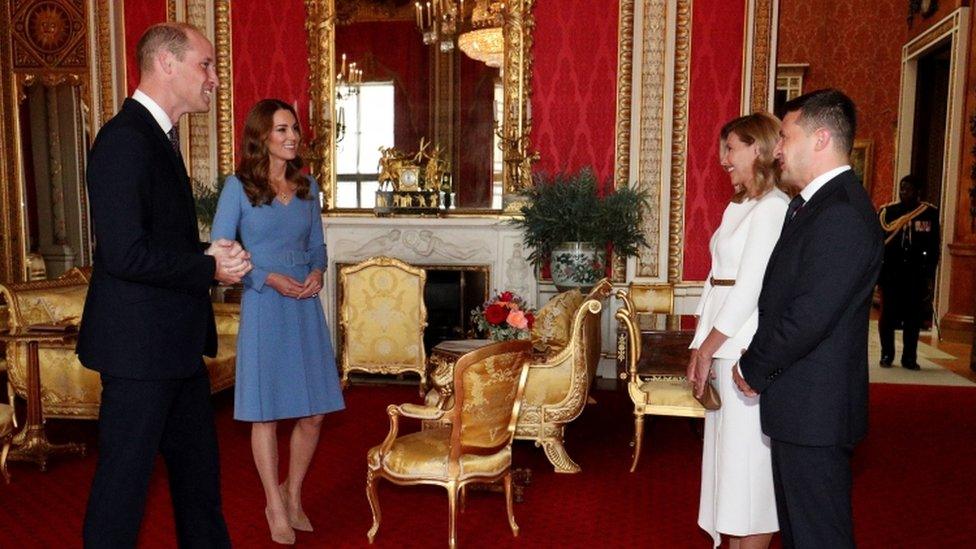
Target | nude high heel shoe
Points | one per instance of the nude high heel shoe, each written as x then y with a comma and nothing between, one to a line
298,521
284,535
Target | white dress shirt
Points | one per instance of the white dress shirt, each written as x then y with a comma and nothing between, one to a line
819,181
740,250
155,110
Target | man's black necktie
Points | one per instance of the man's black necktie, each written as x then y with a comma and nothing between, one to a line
174,139
795,204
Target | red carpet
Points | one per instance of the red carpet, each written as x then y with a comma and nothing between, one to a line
914,483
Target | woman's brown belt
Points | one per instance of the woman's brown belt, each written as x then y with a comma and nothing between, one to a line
723,281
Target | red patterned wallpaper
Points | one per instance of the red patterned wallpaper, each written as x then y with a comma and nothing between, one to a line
714,98
808,33
574,83
270,57
139,16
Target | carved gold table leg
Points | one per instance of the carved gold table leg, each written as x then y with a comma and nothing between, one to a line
33,444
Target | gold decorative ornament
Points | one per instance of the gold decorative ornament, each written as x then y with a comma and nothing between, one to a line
225,97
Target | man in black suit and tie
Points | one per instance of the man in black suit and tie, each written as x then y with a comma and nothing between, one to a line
148,318
809,357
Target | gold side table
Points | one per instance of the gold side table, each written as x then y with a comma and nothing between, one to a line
31,442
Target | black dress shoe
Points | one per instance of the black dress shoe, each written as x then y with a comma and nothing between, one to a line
910,365
885,362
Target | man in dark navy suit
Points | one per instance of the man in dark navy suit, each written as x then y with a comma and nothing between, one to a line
148,320
809,357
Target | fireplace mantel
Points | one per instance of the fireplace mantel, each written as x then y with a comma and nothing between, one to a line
490,242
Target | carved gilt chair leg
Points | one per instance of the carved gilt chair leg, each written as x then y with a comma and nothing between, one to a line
3,462
374,504
452,497
508,504
556,452
638,438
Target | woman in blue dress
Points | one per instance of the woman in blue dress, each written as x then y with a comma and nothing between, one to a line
285,363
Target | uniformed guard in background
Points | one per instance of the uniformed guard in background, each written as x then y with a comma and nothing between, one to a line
911,255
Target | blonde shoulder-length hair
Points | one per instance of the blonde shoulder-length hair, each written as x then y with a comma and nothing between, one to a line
762,129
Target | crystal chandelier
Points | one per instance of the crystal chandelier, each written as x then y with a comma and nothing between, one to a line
482,38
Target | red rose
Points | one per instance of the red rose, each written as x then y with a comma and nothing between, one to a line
505,297
496,314
531,318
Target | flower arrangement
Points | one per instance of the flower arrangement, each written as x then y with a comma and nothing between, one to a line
503,317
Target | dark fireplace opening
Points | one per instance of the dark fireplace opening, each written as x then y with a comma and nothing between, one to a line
452,292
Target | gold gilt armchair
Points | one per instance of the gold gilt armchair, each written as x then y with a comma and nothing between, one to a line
382,317
658,394
68,390
558,386
475,447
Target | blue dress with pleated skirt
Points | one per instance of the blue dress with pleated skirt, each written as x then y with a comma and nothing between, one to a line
285,362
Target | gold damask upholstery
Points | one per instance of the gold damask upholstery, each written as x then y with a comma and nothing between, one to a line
475,447
553,325
382,318
659,395
558,386
68,390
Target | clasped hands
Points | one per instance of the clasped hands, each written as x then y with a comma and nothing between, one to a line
699,370
233,261
289,287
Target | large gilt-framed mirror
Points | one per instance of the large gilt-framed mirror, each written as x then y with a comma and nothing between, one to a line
392,73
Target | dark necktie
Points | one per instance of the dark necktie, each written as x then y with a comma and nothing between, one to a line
174,139
795,204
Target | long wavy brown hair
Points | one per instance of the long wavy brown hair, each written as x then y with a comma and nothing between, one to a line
761,128
252,170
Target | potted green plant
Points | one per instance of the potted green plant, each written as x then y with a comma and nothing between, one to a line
567,223
205,198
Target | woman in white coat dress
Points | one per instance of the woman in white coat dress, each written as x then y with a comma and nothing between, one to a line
737,497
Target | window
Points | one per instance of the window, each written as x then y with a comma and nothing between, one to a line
366,119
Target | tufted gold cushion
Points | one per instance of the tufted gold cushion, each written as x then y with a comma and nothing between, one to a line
424,455
382,318
553,325
669,392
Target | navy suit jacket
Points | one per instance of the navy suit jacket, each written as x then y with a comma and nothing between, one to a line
809,357
148,313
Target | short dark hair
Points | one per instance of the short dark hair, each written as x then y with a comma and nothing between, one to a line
830,109
171,36
915,181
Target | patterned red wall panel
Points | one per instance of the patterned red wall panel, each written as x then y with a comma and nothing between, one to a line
270,57
574,83
832,38
139,16
714,98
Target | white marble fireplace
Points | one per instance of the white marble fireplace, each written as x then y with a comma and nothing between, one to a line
430,242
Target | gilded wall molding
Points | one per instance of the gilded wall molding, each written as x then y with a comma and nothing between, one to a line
625,66
201,142
12,235
679,139
106,84
651,129
171,10
761,18
225,96
320,28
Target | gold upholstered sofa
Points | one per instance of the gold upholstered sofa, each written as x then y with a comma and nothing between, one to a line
68,390
568,331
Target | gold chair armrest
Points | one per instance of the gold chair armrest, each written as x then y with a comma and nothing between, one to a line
419,411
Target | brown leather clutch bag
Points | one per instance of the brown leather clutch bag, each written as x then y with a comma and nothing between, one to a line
709,398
